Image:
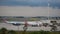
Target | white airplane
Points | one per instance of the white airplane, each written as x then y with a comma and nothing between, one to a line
26,23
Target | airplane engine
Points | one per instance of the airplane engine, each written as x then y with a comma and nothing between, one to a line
16,24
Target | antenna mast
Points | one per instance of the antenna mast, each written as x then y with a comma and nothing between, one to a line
48,8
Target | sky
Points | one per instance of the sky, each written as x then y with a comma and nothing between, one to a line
33,3
29,8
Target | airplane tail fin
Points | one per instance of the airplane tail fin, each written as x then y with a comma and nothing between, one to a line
4,20
26,23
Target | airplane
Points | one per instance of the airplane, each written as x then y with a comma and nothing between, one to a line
25,22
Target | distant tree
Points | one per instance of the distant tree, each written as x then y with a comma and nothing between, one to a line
44,32
41,32
3,31
54,28
11,32
19,17
58,24
35,32
0,17
45,24
54,22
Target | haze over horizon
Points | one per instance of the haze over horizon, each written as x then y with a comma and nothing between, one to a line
29,8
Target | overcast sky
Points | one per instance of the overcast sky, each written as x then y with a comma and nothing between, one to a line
34,3
29,8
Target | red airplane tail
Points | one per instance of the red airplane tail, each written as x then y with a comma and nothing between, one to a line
4,20
26,24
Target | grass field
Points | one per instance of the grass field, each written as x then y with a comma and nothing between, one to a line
5,31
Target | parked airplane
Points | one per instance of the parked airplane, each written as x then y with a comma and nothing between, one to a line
25,22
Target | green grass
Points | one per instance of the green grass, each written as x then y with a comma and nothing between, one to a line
38,32
32,32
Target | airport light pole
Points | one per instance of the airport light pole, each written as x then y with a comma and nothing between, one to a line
48,8
54,28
